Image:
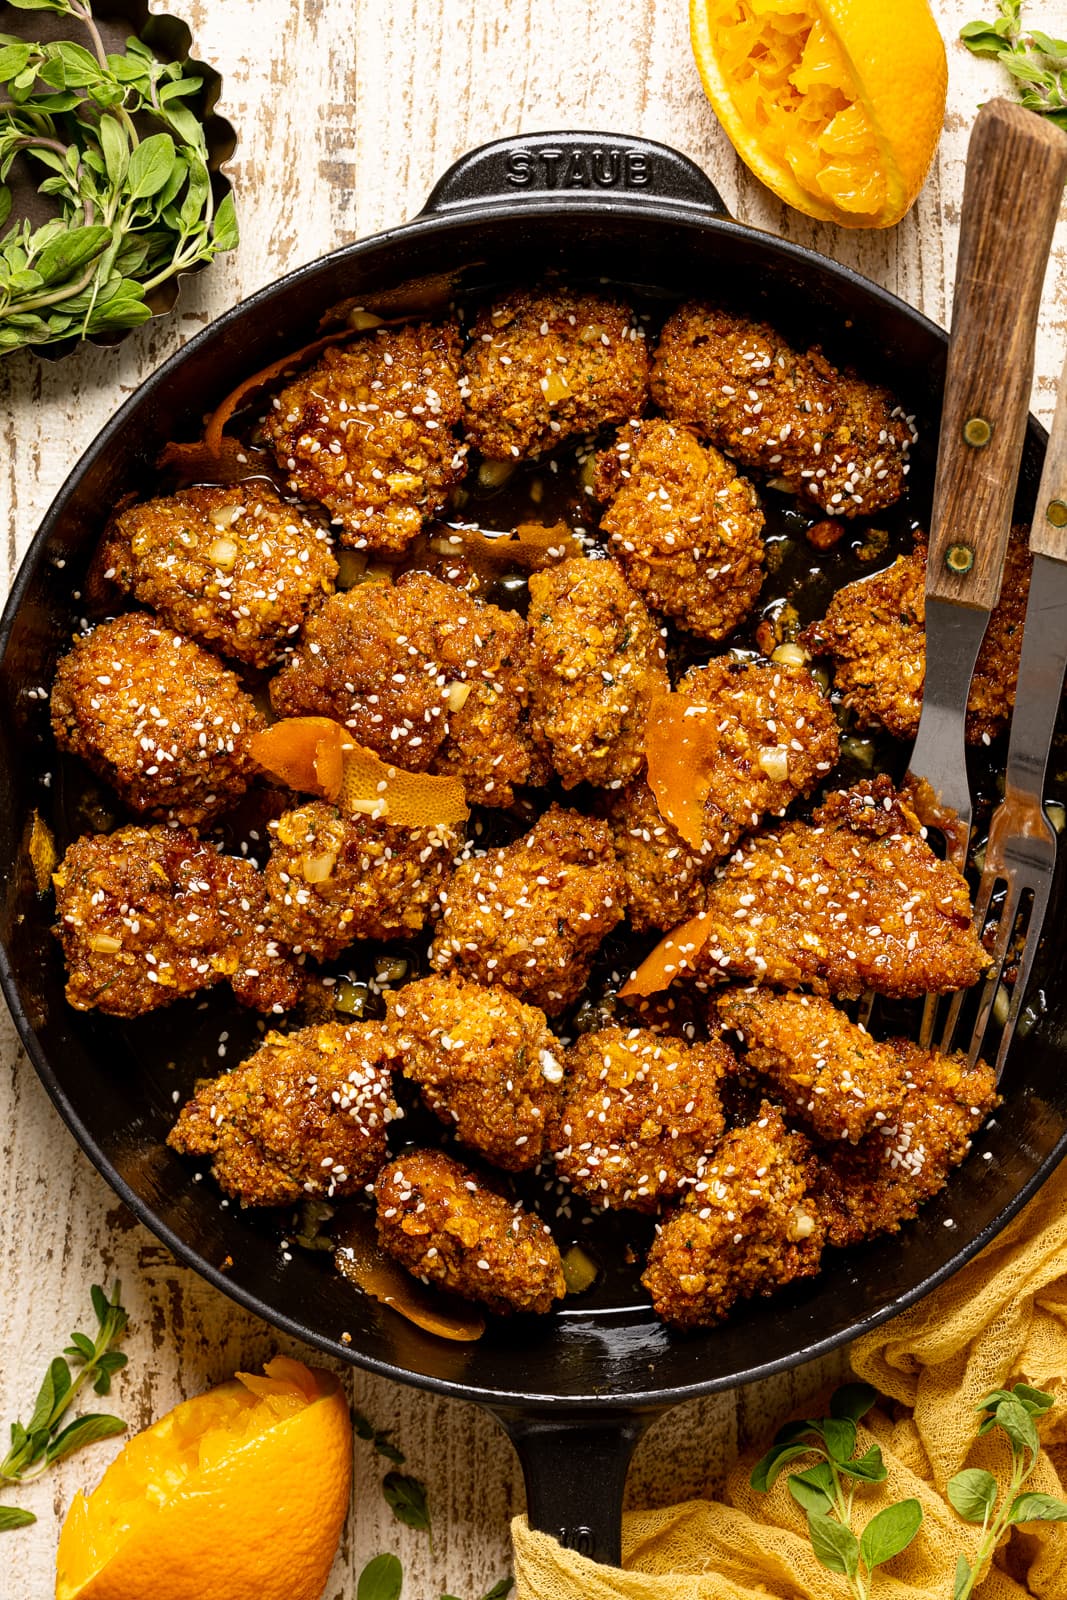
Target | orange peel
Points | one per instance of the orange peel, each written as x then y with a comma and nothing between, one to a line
316,755
360,1258
679,773
672,957
531,544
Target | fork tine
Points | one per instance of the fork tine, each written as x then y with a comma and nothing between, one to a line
1005,930
948,1032
957,850
991,877
1026,963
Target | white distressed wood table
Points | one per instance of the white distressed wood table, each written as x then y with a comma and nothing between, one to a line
347,111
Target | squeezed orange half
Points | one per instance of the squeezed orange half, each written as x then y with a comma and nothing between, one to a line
836,105
238,1494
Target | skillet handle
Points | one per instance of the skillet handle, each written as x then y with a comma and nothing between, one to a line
595,167
575,1470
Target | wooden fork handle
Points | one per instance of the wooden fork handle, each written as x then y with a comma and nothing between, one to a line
1048,532
1016,169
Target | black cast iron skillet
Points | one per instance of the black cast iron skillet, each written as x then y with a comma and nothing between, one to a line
574,1391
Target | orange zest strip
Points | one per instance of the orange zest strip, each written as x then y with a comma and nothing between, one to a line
232,462
676,748
304,753
531,545
408,799
213,455
316,755
673,955
360,1258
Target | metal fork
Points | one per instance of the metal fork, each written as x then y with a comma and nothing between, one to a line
1016,166
1020,857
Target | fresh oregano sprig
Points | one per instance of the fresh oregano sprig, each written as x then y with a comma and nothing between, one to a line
826,1491
1037,62
973,1493
39,1443
135,207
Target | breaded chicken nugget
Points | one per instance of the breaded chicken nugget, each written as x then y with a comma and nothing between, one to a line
531,916
684,525
828,1070
370,432
157,717
486,1064
233,566
750,1227
147,915
547,364
430,678
830,436
876,1185
875,629
854,899
752,737
666,881
306,1114
639,1115
597,663
334,879
448,1225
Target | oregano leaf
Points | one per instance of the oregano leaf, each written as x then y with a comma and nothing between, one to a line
812,1490
972,1493
82,1431
73,249
14,58
41,5
15,1517
836,1547
890,1531
853,1401
766,1472
1036,1401
406,1498
1012,1418
224,233
840,1436
869,1467
150,166
1037,1508
963,1577
381,1579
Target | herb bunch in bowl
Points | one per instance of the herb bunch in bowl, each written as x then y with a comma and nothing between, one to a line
124,161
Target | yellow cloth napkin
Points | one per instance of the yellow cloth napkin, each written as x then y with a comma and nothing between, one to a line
999,1321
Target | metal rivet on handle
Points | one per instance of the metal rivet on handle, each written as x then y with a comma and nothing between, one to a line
959,558
1056,512
977,432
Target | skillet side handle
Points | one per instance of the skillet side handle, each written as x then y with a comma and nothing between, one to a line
592,166
575,1470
